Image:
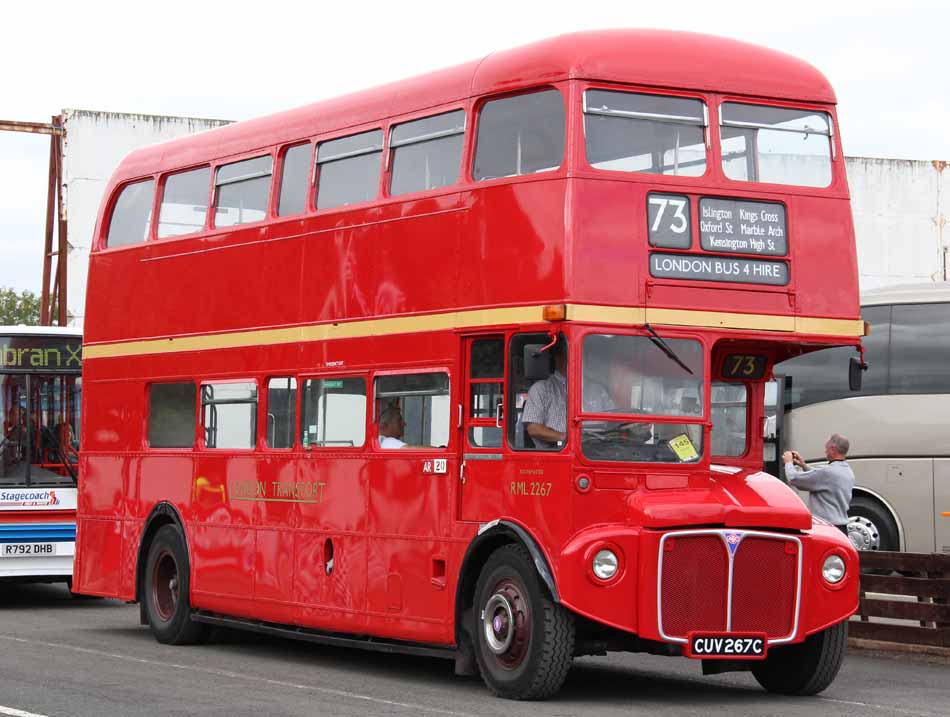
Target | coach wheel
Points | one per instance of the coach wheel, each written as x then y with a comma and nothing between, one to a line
524,643
871,527
166,589
807,668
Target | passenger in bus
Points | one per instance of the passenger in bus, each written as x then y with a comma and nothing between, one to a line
391,428
829,487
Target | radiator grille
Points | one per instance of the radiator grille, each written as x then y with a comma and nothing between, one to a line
763,586
694,583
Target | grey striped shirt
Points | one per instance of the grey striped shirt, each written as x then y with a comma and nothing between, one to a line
547,403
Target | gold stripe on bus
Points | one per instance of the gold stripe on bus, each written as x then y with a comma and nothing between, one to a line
319,332
479,318
630,315
829,327
757,322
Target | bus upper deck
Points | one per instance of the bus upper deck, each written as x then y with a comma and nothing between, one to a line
612,172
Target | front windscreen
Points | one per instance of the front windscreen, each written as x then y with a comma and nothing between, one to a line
638,378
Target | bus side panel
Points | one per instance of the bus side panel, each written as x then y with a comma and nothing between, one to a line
101,539
407,561
513,244
414,256
273,550
329,543
222,539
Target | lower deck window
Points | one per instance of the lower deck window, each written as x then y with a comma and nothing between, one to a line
413,410
333,412
171,415
229,414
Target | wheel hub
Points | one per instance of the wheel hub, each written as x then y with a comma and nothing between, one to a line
498,624
863,533
506,624
165,586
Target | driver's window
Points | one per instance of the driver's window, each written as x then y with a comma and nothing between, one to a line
537,391
413,410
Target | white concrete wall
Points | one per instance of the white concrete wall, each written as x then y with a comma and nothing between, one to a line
94,144
901,211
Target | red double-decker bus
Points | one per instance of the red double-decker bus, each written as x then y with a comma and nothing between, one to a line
472,365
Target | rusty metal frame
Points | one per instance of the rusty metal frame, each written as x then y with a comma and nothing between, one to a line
54,295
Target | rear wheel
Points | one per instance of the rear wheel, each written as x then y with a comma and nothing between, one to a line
871,526
166,589
807,668
524,643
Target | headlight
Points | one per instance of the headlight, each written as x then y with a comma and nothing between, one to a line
605,564
833,569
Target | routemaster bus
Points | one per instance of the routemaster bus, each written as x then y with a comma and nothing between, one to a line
897,423
473,364
40,388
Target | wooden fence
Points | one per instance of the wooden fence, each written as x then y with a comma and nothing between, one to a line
908,595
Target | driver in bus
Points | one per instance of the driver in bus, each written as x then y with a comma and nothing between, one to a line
545,411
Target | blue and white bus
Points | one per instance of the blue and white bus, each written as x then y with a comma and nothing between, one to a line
40,388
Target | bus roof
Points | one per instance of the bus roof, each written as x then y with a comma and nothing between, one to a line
656,58
22,330
923,293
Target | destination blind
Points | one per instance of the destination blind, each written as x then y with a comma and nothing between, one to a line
742,227
40,353
718,268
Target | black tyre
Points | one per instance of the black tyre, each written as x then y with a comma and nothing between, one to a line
166,589
524,643
871,526
806,668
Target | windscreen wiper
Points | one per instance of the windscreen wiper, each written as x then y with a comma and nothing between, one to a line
664,347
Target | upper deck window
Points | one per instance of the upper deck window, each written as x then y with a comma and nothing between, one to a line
776,144
349,169
294,180
520,135
184,203
630,132
242,191
132,214
427,153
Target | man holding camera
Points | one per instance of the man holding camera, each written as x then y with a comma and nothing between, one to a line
829,487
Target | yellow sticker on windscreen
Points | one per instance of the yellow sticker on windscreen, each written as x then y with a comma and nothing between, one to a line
683,448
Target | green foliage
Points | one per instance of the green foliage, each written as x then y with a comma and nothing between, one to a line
22,308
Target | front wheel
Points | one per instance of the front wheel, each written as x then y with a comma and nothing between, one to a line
807,668
166,589
524,643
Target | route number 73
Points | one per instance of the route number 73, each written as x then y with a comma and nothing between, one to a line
679,223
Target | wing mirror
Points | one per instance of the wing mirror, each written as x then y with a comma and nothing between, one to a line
855,370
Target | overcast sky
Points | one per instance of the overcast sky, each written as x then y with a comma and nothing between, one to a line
889,64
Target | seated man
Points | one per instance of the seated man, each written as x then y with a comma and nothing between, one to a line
391,428
545,410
